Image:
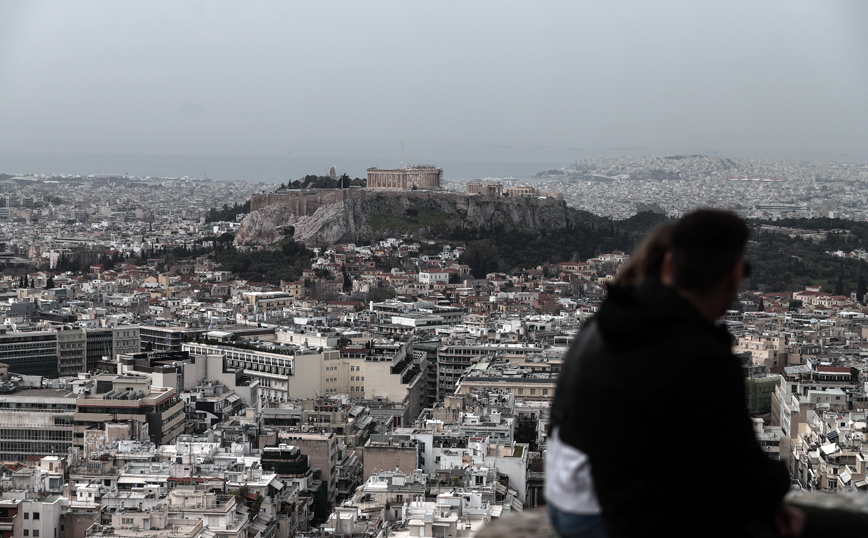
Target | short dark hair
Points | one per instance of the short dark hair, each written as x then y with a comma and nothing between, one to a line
706,245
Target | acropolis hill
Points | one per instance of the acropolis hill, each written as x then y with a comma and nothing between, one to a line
328,216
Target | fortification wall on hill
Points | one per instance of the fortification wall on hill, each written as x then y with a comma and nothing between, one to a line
305,202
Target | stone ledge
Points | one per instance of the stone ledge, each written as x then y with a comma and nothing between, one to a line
535,522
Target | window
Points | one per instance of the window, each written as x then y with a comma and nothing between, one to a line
35,532
532,392
545,392
521,391
26,532
35,515
26,515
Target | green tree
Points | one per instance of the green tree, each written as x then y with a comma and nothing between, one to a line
348,282
860,289
481,256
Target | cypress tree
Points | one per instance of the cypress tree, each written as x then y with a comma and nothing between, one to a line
860,289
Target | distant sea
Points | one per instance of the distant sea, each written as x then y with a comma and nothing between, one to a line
266,169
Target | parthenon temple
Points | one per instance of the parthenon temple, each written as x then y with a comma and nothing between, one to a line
420,177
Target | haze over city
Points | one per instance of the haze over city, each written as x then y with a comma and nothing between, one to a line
393,269
272,91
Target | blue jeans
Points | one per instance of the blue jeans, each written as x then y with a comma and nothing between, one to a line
570,525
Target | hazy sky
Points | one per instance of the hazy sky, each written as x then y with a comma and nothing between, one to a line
494,81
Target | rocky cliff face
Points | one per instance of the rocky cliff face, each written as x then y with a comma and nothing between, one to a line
265,226
379,215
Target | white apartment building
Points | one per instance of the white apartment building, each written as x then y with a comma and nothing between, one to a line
281,376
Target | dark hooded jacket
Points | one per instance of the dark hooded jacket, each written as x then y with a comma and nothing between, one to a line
652,393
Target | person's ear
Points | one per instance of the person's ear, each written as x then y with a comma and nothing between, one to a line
666,277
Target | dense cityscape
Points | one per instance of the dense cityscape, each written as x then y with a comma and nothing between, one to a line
152,386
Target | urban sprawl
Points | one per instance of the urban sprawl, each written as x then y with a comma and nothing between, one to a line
387,391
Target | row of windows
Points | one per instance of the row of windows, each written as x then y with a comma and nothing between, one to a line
545,392
36,435
7,354
29,447
270,369
116,410
26,406
173,416
40,338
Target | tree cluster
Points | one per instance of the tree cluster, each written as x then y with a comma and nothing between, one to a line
501,249
283,263
323,182
227,213
784,263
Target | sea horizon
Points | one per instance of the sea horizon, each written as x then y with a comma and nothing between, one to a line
269,169
276,169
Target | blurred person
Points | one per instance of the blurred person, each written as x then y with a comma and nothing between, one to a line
574,510
652,395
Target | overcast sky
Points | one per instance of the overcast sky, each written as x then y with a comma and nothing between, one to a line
511,81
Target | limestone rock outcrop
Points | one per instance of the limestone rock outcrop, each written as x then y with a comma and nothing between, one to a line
377,215
265,226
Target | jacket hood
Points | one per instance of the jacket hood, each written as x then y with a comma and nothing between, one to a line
635,316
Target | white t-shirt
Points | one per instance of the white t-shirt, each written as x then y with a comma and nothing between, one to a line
568,483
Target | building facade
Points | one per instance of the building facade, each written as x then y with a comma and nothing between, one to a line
29,353
35,422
